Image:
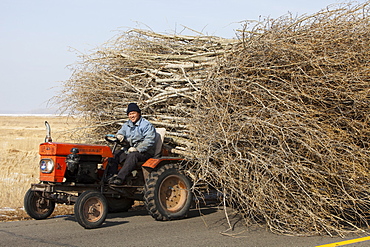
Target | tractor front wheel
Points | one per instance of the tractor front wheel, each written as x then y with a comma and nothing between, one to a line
37,206
168,193
91,209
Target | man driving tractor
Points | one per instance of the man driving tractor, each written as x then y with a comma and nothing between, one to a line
161,181
139,134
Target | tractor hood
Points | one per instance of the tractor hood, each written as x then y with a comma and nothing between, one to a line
63,149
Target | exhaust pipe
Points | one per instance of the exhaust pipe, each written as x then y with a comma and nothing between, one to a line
48,132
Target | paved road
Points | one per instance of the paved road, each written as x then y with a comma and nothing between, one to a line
137,228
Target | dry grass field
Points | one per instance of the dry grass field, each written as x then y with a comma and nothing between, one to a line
20,137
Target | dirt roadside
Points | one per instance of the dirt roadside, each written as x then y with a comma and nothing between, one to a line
10,214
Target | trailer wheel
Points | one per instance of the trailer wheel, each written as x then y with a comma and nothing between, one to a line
91,209
37,206
116,205
167,193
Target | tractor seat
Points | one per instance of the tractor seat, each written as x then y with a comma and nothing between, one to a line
159,138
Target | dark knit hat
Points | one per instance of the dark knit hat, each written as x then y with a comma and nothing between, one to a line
133,107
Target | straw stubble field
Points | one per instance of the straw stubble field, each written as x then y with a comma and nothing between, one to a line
20,137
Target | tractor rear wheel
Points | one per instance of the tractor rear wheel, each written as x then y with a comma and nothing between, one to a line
37,206
168,193
91,209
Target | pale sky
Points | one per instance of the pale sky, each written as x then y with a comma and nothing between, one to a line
36,36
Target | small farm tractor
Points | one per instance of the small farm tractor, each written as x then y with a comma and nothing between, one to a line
77,174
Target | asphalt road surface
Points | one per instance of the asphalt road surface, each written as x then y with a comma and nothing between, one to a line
207,227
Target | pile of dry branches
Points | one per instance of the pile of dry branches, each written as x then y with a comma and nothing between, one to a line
163,73
285,123
278,120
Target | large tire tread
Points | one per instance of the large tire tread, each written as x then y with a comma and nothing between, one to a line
151,196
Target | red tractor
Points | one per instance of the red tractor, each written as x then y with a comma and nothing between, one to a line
77,174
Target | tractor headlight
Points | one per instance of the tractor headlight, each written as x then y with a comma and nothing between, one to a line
46,165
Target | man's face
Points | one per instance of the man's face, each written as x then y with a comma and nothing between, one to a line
134,116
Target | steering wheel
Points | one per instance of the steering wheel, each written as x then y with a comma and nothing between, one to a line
111,138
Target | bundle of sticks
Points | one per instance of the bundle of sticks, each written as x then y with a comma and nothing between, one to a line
277,120
162,73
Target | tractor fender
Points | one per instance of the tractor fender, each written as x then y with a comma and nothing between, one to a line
154,163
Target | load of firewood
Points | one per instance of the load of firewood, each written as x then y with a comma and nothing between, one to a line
278,120
162,73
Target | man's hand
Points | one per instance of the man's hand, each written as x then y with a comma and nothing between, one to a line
120,137
132,149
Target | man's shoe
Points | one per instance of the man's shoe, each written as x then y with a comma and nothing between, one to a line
111,177
115,180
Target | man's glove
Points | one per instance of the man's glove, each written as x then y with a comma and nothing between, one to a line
120,137
132,149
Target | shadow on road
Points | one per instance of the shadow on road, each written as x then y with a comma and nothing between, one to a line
195,212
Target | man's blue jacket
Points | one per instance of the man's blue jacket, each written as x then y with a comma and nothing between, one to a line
140,135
